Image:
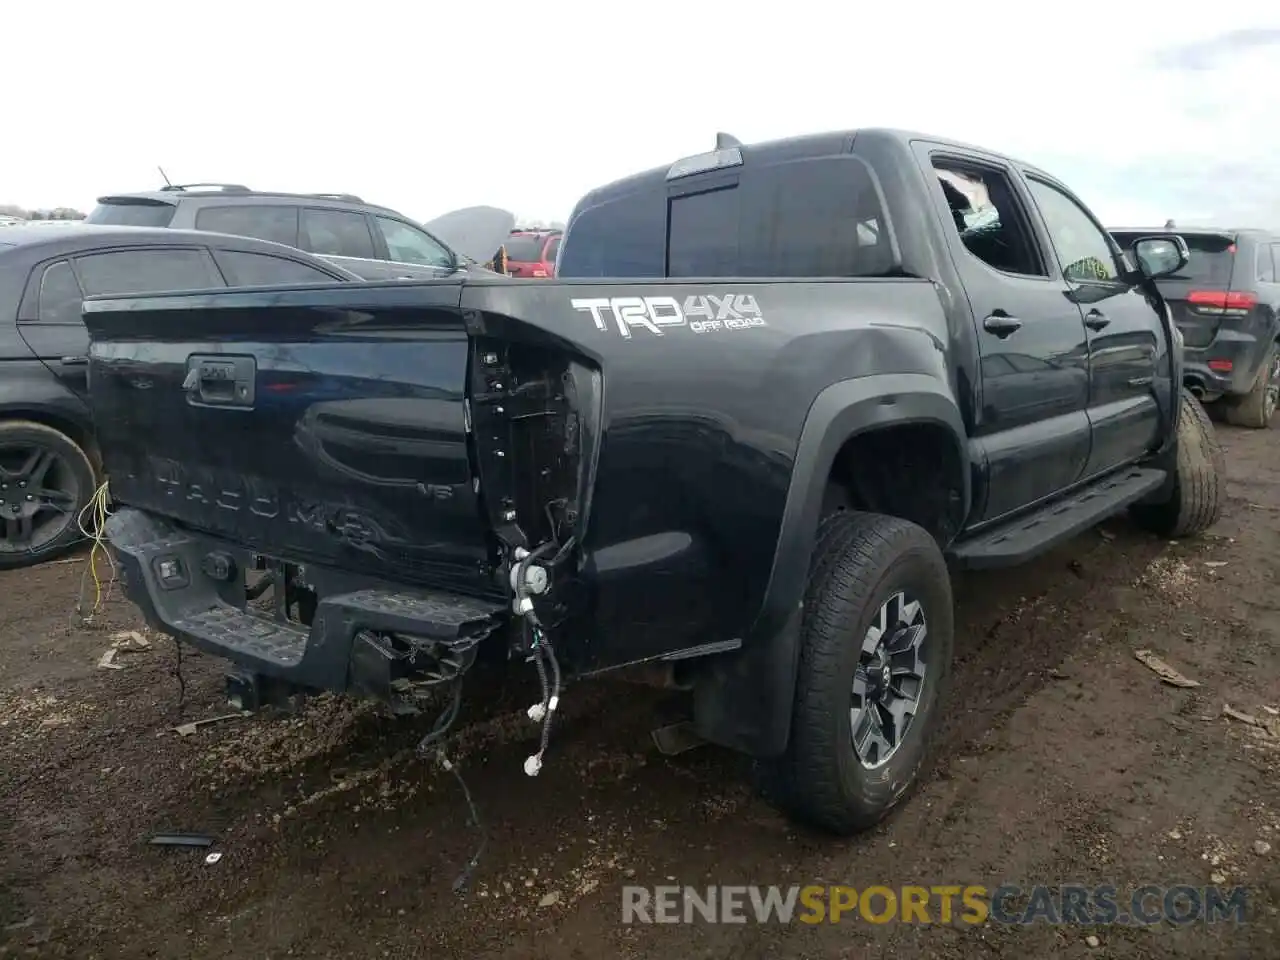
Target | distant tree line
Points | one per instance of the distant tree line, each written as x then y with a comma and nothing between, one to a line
57,213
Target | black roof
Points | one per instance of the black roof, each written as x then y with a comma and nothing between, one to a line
808,145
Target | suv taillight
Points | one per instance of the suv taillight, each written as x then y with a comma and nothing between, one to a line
1221,303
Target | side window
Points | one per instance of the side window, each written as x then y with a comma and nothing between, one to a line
261,270
146,271
1266,266
553,248
1275,259
60,295
407,245
278,224
1082,246
988,217
338,233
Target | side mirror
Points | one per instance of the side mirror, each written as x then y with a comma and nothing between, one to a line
1160,256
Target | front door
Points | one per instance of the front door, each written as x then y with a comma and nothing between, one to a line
1130,369
1031,428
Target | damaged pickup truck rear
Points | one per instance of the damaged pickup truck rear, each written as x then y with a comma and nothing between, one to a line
774,393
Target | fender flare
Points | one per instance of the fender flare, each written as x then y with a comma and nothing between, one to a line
744,701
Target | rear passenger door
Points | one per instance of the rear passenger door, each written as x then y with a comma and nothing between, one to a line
49,315
1130,370
49,322
1031,428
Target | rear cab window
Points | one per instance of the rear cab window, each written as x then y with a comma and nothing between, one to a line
131,212
807,217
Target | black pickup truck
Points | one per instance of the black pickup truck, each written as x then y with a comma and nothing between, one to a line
774,392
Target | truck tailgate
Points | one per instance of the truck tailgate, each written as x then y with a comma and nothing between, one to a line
332,433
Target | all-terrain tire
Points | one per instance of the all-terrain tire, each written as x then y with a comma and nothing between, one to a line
1195,503
859,562
1257,407
75,472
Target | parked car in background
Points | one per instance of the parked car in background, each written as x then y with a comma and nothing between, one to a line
532,253
1226,303
375,242
49,462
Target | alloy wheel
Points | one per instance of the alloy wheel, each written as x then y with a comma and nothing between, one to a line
889,680
38,496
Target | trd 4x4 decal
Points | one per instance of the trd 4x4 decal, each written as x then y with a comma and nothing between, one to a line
701,313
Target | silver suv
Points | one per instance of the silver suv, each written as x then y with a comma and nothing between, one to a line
374,242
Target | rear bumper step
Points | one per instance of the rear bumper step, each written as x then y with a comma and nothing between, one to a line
345,649
1022,538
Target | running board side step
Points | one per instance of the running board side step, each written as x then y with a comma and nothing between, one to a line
1030,534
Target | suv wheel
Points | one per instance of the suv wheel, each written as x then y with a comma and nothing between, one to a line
46,479
875,651
1195,503
1256,408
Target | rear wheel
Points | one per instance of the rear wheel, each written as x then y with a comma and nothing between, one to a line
876,647
1195,503
1256,408
46,479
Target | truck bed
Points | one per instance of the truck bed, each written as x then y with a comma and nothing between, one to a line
418,432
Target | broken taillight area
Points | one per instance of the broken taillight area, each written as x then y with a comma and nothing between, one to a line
1221,303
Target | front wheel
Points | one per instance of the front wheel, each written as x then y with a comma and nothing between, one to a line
1195,501
876,643
46,479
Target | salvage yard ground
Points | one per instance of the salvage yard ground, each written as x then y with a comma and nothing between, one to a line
1064,759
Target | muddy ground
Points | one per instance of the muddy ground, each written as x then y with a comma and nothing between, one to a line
1063,760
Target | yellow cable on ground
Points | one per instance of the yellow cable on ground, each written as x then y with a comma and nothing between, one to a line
92,521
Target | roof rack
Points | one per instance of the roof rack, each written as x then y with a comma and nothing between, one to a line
224,187
348,197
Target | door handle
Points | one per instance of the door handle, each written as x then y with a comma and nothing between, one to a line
1096,320
1001,324
74,361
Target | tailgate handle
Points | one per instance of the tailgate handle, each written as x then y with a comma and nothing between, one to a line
220,381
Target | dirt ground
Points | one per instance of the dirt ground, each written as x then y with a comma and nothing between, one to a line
1063,759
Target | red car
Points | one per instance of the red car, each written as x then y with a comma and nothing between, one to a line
532,253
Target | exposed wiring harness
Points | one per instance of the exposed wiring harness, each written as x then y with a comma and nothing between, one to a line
92,521
544,656
434,738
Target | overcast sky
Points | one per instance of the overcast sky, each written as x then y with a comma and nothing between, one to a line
427,106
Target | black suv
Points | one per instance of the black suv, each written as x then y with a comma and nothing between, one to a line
49,462
1226,303
374,242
